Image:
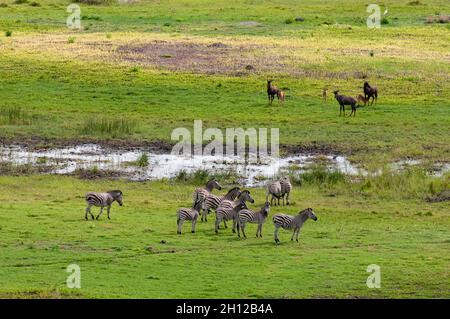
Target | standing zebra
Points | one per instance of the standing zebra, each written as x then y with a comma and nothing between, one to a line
102,200
228,209
286,188
278,189
188,214
249,216
212,201
292,222
201,193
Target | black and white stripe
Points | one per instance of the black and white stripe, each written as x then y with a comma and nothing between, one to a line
248,216
286,188
200,194
102,200
228,209
184,214
212,201
289,222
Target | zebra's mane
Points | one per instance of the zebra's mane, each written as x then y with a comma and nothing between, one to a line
115,192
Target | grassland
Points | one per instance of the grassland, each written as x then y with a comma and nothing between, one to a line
135,72
43,231
159,66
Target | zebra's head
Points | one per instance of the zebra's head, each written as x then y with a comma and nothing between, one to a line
310,213
245,197
213,184
117,195
265,210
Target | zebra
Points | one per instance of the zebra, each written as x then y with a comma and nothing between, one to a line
274,189
212,201
292,222
188,214
286,188
102,200
228,209
279,189
248,216
201,193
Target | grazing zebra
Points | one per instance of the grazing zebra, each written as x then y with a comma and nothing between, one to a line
102,200
286,188
248,216
292,222
201,193
212,201
228,209
188,214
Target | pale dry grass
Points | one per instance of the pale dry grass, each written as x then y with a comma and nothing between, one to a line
318,54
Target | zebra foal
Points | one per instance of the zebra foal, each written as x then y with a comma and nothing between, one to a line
102,200
292,222
248,216
184,214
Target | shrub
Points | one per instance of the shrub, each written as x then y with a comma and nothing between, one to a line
8,33
20,1
322,176
3,5
35,4
71,40
143,160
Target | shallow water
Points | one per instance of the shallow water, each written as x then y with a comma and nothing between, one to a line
87,156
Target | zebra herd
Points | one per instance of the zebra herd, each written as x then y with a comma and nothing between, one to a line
233,207
229,207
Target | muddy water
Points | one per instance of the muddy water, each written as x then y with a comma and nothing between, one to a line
88,156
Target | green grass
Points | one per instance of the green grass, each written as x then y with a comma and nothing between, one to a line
43,231
211,62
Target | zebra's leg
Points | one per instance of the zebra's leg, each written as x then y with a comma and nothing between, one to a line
180,223
283,199
293,233
298,232
216,225
234,226
194,221
88,210
275,234
101,211
239,228
225,224
243,230
287,199
107,210
260,230
278,201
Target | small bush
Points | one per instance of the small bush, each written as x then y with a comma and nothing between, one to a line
321,176
384,21
3,5
20,1
35,4
8,33
142,160
71,40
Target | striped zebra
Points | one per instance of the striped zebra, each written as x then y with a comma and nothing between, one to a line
212,201
286,188
188,214
248,216
279,189
102,200
201,193
292,222
228,209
